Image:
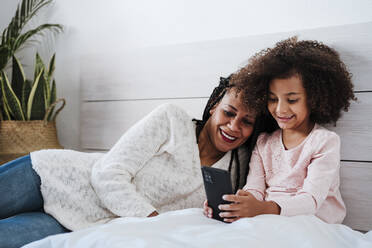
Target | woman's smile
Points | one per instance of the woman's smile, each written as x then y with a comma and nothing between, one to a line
226,137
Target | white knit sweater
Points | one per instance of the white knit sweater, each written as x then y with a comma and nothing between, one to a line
154,166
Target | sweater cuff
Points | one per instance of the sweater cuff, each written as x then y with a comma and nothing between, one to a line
145,211
296,206
255,193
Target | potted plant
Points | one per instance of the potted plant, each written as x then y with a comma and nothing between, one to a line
27,117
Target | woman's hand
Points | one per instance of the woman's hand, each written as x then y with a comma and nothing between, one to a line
153,214
244,204
207,211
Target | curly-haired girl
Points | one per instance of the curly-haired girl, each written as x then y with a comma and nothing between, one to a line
294,170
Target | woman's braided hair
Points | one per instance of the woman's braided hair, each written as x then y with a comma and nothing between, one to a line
240,172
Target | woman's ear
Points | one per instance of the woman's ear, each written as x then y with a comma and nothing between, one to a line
212,110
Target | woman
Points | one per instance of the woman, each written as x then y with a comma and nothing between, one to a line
153,168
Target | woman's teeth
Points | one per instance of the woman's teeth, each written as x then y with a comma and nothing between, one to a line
228,136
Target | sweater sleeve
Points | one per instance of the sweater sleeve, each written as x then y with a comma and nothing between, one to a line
256,177
321,173
112,175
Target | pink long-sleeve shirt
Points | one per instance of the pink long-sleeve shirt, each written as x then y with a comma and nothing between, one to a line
302,180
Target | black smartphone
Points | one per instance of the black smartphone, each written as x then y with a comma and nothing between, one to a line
217,182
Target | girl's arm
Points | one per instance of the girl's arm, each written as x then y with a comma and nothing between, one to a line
322,177
256,180
112,175
249,201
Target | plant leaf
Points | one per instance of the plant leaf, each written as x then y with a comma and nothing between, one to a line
18,78
53,98
11,38
5,110
4,56
36,100
39,66
25,94
21,39
10,99
51,68
25,11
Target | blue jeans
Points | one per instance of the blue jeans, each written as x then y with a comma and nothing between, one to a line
22,218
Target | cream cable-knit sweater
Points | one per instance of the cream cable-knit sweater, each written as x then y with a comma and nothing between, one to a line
154,166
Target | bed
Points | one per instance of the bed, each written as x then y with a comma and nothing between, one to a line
189,72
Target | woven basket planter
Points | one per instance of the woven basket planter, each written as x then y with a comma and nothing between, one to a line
19,138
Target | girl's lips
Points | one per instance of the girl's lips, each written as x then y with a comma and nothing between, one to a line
226,137
284,119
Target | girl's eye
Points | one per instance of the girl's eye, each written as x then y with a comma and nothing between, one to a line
292,101
272,99
229,113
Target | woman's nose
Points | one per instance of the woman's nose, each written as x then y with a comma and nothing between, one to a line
234,124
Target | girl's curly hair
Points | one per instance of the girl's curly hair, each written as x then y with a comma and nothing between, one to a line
325,77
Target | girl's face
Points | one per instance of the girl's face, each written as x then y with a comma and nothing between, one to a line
288,105
230,124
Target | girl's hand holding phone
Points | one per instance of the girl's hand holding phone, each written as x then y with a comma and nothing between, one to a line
244,204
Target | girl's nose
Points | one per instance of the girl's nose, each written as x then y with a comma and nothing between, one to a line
282,107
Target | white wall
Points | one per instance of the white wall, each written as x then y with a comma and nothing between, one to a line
116,25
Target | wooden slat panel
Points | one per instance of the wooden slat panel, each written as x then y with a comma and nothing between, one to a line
355,129
192,70
356,185
103,123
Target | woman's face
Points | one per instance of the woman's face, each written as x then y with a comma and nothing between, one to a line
230,123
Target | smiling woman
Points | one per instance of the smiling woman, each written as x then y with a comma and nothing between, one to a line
230,125
153,168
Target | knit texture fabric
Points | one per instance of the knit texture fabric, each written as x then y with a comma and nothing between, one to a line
154,166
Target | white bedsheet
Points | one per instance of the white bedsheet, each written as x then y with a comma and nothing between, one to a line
189,228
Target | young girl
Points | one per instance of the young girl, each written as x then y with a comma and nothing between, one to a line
295,170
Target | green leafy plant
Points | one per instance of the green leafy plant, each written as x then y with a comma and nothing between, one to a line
12,38
26,100
22,99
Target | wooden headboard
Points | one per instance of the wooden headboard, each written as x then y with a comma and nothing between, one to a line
118,89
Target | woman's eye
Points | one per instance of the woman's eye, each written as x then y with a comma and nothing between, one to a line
228,113
247,122
272,99
292,101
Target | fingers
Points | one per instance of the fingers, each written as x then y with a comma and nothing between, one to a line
230,198
238,197
229,207
229,220
207,211
230,211
234,198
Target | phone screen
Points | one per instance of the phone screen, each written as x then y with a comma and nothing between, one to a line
217,182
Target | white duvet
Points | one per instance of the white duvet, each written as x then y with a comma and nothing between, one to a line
190,228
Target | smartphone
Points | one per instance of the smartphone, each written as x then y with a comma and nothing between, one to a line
217,182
